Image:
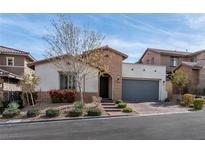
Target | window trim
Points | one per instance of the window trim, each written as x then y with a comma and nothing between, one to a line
70,76
7,58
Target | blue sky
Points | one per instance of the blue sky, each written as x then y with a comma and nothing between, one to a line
128,33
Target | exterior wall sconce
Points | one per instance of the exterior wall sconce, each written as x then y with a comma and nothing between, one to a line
118,78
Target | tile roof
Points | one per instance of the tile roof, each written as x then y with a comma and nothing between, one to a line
183,53
8,50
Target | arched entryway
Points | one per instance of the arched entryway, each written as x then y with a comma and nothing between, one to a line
105,90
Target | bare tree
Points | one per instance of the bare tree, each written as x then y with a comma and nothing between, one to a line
28,84
75,50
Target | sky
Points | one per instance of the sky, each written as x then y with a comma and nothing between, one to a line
128,33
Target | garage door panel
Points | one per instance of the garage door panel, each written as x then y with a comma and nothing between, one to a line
140,90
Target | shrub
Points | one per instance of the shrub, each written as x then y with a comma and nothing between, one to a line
10,112
119,101
61,96
5,103
121,105
56,96
13,105
198,103
69,96
188,99
78,105
127,110
94,112
50,113
75,112
33,113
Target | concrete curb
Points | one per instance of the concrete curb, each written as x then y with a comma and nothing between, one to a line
22,121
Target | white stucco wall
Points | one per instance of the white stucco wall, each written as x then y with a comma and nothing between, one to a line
147,72
49,78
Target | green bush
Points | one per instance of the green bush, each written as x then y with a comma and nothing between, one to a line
198,103
32,113
94,112
13,105
119,101
78,105
10,112
121,105
50,113
75,112
188,99
127,110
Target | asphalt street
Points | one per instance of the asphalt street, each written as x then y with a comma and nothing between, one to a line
156,127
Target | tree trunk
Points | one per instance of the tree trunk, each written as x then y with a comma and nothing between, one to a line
81,95
32,98
28,103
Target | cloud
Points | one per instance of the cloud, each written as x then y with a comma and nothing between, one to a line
195,21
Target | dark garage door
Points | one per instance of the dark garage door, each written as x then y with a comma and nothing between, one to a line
140,90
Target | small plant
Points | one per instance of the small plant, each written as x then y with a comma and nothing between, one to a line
50,113
33,113
188,99
94,112
13,105
119,101
75,112
121,105
198,103
10,112
127,110
78,105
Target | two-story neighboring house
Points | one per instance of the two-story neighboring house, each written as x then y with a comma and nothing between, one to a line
13,63
170,58
193,63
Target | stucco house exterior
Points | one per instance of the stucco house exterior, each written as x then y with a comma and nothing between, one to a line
127,81
13,63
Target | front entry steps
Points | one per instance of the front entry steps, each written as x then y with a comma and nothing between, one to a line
109,106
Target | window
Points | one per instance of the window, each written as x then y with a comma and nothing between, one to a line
193,59
173,61
152,60
147,62
67,81
10,61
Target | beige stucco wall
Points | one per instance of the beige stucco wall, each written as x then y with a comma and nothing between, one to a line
147,72
49,78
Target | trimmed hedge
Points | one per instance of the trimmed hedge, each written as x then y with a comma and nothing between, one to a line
127,110
61,96
121,105
75,112
94,112
198,103
32,113
50,113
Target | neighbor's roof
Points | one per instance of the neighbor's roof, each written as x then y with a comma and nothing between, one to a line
193,65
12,51
104,48
4,73
167,52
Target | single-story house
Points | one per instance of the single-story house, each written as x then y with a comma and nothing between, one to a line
128,81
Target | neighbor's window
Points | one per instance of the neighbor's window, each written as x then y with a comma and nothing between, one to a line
193,59
10,61
67,81
152,60
173,61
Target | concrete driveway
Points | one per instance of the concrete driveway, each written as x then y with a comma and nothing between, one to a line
158,108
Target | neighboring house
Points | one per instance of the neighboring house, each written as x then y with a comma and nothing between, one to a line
127,81
170,58
13,63
191,63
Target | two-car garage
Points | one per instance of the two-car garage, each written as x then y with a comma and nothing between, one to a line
143,83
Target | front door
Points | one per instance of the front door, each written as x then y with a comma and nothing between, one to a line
104,88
